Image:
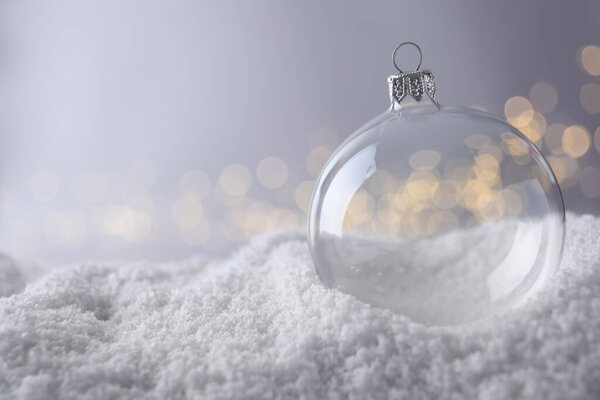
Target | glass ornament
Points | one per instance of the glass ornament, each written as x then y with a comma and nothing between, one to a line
446,215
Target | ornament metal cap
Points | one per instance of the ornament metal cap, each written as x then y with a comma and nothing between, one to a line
415,83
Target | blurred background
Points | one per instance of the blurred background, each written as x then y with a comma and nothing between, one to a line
157,130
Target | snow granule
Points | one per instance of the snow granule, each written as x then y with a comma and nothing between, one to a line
261,325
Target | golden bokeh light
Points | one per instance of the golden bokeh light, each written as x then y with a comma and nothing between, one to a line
536,128
360,209
194,183
425,159
518,111
381,229
565,169
44,186
235,179
513,202
493,151
462,174
226,198
544,97
404,201
589,97
417,223
124,221
576,141
489,206
540,175
597,139
381,182
476,141
421,185
458,169
523,159
303,193
257,214
317,158
553,138
475,194
590,60
487,168
589,182
281,218
516,147
272,172
441,221
387,212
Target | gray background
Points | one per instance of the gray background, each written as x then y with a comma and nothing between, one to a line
96,87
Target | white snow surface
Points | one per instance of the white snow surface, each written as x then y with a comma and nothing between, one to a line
261,325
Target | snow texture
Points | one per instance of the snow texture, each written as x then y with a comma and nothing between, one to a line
261,325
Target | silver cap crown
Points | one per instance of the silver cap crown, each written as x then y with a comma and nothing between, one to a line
413,84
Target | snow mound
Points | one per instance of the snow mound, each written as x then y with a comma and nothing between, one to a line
261,325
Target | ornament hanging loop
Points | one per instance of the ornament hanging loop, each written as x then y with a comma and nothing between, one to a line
403,44
415,83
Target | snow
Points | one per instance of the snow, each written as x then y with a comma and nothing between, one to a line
261,325
451,278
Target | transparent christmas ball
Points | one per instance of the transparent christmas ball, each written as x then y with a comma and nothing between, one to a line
443,214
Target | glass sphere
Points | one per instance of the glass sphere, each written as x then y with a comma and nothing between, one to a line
444,214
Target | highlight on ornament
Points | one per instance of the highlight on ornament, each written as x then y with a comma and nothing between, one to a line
444,214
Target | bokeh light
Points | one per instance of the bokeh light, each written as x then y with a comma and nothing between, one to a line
317,158
235,180
553,138
565,169
597,139
576,141
381,182
425,159
282,218
272,172
535,129
518,111
590,60
303,193
124,221
476,141
360,209
544,97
